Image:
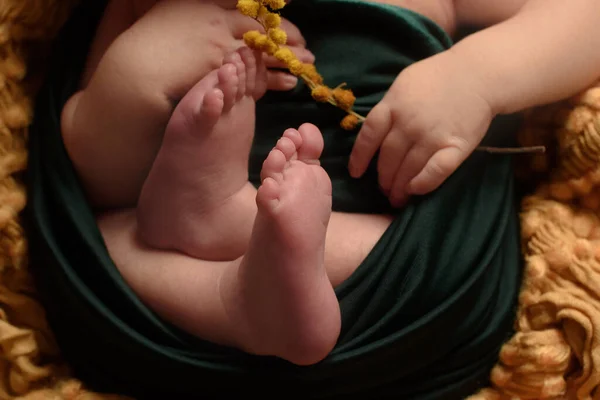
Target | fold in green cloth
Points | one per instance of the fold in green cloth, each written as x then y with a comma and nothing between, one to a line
423,317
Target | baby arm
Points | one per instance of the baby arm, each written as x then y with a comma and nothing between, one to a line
548,51
438,110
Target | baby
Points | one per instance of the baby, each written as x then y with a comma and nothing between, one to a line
255,269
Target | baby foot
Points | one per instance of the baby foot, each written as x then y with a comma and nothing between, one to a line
288,304
197,198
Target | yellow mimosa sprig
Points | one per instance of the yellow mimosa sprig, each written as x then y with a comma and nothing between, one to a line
273,41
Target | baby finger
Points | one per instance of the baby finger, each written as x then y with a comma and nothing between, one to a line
392,153
374,130
301,54
439,167
294,36
416,158
280,81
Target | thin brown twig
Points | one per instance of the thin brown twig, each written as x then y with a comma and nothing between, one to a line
512,150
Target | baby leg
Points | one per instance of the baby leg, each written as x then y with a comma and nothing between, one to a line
281,293
197,198
113,127
277,299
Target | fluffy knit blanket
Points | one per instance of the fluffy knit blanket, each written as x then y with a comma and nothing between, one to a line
556,349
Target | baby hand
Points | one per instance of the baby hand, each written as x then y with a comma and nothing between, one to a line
277,79
431,119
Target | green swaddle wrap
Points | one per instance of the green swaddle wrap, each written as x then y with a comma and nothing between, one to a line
422,318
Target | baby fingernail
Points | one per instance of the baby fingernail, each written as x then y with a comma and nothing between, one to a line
290,81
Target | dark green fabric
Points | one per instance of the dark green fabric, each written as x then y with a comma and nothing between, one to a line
423,317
